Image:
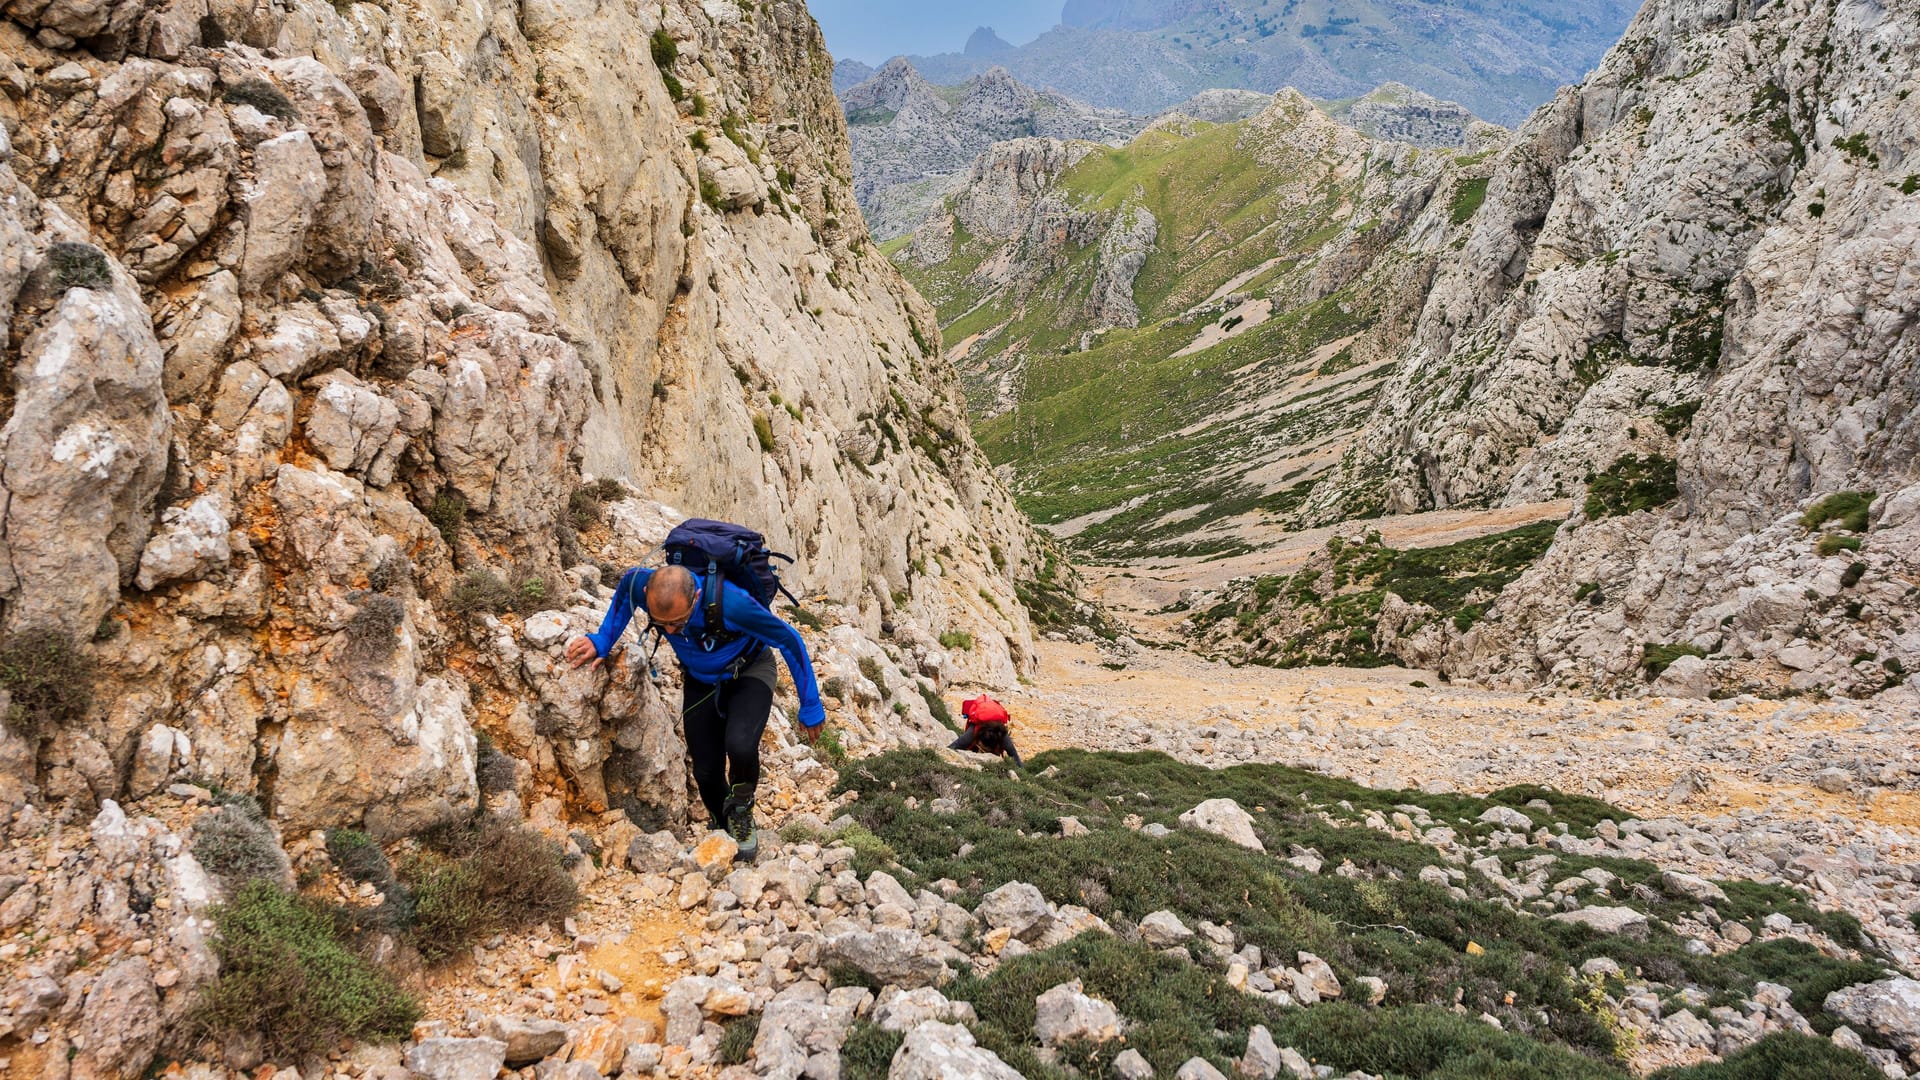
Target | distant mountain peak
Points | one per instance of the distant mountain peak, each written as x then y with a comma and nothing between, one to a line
984,42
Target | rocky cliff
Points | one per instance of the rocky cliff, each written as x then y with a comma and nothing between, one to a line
912,139
1687,302
315,317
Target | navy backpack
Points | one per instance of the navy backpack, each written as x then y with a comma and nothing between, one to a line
724,551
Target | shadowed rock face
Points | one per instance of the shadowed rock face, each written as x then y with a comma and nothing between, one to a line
315,316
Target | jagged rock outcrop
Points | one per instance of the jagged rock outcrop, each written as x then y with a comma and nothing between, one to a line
316,313
1700,258
911,139
1398,112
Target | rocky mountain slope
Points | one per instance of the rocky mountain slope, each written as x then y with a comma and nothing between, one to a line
1170,341
1687,303
318,318
911,138
1500,58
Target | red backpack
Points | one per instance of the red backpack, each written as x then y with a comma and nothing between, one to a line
984,710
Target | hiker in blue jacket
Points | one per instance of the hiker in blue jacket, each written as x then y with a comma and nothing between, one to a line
728,680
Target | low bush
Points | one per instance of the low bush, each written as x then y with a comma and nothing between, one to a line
762,427
957,639
1783,1055
288,973
448,514
234,843
479,879
492,770
358,857
871,668
48,682
937,705
480,590
1835,543
373,632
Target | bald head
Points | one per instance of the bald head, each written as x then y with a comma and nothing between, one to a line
671,594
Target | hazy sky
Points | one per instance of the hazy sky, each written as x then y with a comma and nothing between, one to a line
875,30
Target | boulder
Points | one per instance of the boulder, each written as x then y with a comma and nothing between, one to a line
1889,1008
457,1059
936,1051
1224,817
527,1041
891,955
1017,907
1163,929
1607,920
1064,1014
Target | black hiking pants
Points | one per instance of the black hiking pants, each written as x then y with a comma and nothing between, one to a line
723,725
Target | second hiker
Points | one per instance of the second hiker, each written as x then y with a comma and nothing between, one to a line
724,638
986,732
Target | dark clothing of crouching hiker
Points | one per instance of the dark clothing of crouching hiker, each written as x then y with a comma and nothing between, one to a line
728,676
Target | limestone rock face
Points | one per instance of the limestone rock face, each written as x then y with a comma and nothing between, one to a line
1698,258
319,313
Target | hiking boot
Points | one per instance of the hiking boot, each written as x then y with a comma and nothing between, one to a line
739,811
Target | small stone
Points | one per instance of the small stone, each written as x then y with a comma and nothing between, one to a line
1198,1068
1163,929
1506,817
1833,781
1130,1065
457,1059
1224,817
1607,920
1064,1013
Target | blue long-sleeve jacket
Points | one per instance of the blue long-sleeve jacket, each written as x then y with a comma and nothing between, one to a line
741,613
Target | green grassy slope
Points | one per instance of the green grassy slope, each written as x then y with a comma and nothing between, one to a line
1158,454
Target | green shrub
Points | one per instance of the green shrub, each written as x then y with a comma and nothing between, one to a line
584,509
763,431
358,857
1783,1055
1809,973
956,639
1633,482
736,1041
78,266
698,140
236,845
287,973
479,590
607,489
665,50
1656,658
1849,508
485,878
1835,543
870,668
448,513
802,617
1853,574
262,95
48,682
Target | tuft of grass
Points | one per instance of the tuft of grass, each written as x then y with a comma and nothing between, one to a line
1834,544
48,683
584,508
262,95
956,639
736,1041
876,675
236,845
868,1052
493,771
78,266
1633,482
763,431
1849,508
288,974
1656,657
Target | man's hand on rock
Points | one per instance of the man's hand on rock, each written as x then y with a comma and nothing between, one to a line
581,649
812,734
